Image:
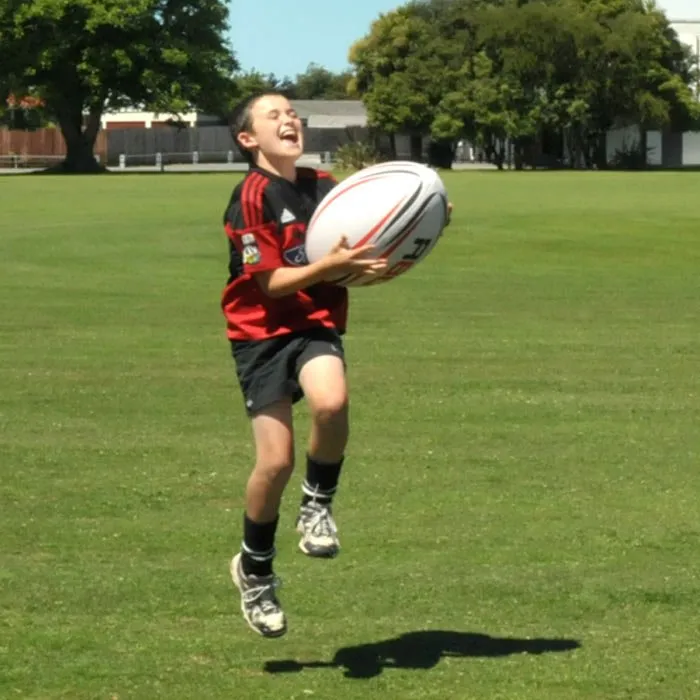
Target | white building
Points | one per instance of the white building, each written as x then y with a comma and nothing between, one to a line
127,118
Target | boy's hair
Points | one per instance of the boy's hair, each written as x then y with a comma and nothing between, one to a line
241,119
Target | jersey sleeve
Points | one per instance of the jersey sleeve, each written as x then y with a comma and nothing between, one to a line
252,229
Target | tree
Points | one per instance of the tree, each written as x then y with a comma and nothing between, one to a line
538,56
84,56
400,72
318,83
23,113
508,72
592,66
254,82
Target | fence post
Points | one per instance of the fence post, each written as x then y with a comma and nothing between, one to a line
229,157
195,157
159,161
122,161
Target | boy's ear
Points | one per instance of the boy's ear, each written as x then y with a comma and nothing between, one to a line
247,140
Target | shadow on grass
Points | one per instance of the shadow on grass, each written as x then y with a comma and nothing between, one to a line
422,651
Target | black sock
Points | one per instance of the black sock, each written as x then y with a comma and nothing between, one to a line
321,481
258,548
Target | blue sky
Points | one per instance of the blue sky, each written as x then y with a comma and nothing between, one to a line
284,36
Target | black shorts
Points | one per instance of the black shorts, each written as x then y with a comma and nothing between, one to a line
268,370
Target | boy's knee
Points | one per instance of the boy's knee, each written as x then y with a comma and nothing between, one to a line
331,408
272,465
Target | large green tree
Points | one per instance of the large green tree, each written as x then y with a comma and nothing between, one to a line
401,71
84,56
507,71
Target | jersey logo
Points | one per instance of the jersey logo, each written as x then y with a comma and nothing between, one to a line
251,255
296,256
251,252
287,216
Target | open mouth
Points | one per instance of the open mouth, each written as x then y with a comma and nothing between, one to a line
290,137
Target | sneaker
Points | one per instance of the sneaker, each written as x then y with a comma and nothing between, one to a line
259,604
318,530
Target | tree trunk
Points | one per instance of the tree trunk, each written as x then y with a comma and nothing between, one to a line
643,147
575,151
601,155
494,148
392,146
416,148
80,141
441,154
501,154
519,153
588,151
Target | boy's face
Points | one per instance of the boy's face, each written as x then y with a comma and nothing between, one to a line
276,130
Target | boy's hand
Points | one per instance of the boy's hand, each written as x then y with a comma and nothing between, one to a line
449,214
343,259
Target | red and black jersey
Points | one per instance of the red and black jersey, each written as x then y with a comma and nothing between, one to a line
265,222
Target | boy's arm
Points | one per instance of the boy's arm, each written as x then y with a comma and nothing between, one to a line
253,230
341,258
289,280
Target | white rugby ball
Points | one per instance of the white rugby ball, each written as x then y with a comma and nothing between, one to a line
400,207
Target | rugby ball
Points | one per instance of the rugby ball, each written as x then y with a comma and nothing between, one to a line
400,207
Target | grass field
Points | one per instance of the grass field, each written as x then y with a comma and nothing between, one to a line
519,511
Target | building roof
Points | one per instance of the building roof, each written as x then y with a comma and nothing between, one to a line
331,114
324,121
329,108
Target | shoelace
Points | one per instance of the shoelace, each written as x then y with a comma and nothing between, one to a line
321,522
258,593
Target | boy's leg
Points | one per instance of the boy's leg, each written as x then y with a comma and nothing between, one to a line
274,460
322,378
251,569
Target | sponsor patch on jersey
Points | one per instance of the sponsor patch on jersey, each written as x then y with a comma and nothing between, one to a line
296,256
248,239
251,254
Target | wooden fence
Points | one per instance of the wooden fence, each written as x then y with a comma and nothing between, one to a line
212,143
42,142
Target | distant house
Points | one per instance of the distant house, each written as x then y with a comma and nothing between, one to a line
328,122
331,114
316,114
137,119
